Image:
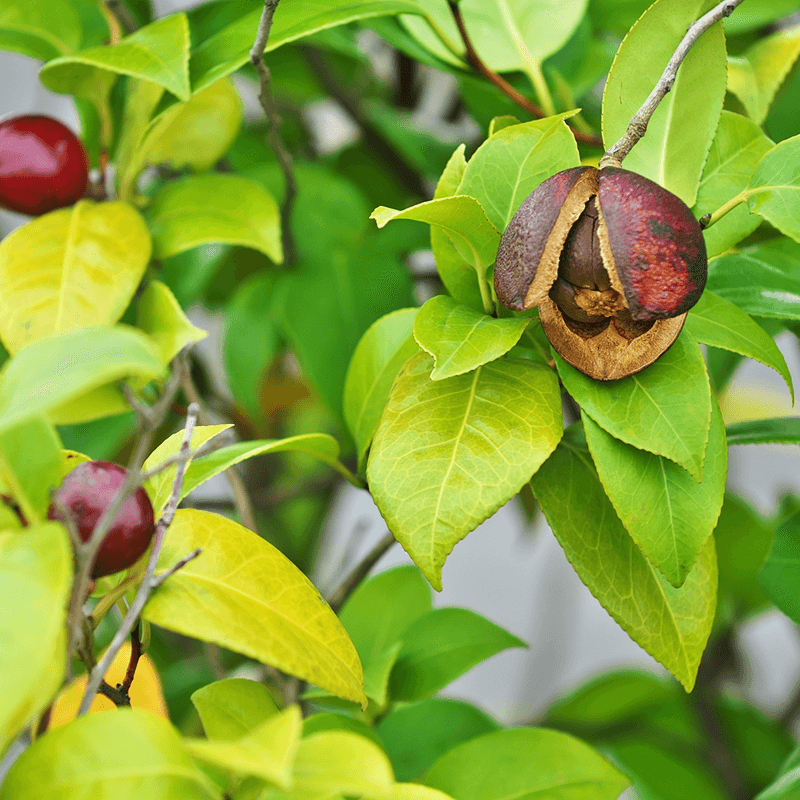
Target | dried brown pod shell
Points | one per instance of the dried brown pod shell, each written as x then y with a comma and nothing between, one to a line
613,261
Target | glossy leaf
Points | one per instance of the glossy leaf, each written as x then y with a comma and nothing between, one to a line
251,341
383,349
509,165
243,594
526,762
680,131
720,323
671,624
787,783
376,616
225,49
737,147
158,53
71,268
774,190
159,486
502,30
128,754
342,763
442,645
35,579
229,709
82,360
460,339
754,77
780,574
751,280
777,430
667,513
448,454
416,735
161,318
665,409
267,751
42,29
462,219
31,466
215,208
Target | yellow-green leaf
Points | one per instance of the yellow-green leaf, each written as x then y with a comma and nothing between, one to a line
244,594
71,268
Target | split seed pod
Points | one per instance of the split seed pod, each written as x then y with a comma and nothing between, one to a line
613,261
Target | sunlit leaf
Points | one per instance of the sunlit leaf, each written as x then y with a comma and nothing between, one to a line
42,29
231,708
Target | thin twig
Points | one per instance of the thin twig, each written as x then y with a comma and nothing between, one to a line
503,85
361,570
133,661
638,125
159,579
149,581
274,125
120,12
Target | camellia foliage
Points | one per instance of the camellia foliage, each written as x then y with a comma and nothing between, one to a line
443,412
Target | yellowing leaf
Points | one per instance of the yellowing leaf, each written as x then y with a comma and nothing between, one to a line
145,691
70,269
244,594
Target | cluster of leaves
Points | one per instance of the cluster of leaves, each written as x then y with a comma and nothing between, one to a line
446,412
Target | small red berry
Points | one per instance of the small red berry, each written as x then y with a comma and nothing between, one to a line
43,165
86,492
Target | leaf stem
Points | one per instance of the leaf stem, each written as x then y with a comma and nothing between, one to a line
707,220
638,124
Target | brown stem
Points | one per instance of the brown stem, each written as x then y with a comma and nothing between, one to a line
503,85
361,570
274,124
133,662
638,125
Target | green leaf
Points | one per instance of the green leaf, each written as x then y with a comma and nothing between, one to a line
243,594
215,208
758,14
35,580
720,323
671,624
158,53
159,486
460,339
787,784
416,735
71,268
743,540
231,708
665,409
383,349
31,466
462,219
774,190
222,50
452,174
50,373
267,751
41,29
526,762
754,77
342,763
509,165
448,454
751,280
442,645
161,318
376,616
737,147
667,513
679,133
128,755
502,30
778,430
250,341
331,721
780,574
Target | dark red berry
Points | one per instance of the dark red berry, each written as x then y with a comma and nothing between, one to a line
86,492
43,165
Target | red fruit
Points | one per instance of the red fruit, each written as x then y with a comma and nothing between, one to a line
43,165
86,492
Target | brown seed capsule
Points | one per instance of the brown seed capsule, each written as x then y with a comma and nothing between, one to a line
613,261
